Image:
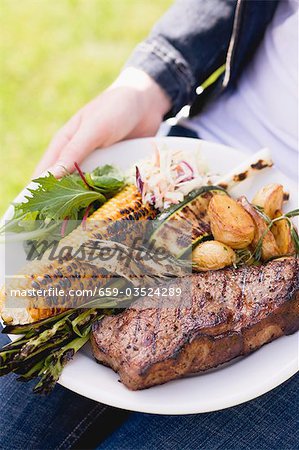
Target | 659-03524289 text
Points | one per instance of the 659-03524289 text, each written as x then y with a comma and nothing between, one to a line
99,291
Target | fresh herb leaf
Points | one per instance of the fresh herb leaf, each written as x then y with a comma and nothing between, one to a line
107,170
106,179
74,197
57,199
20,222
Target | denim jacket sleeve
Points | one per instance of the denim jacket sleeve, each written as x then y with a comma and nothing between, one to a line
185,46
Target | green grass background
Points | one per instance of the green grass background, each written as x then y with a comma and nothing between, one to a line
55,56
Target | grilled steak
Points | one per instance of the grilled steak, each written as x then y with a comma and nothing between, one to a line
232,312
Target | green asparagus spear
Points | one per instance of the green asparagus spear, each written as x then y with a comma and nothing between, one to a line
55,363
48,339
9,351
31,372
35,327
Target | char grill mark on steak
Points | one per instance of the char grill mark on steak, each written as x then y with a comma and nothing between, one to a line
232,312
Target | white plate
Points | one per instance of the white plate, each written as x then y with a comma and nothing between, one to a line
229,385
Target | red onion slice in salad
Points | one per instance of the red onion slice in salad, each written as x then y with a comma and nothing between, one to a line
139,182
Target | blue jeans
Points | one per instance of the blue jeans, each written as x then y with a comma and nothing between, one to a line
66,420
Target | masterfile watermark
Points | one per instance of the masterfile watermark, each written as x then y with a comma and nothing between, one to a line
102,260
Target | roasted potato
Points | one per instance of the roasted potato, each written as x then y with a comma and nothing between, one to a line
269,246
230,223
270,198
212,255
282,233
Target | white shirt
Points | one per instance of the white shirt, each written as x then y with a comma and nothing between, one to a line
263,109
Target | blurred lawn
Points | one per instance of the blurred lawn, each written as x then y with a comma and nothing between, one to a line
55,56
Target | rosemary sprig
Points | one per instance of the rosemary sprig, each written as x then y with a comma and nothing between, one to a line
262,213
244,257
295,238
293,213
257,253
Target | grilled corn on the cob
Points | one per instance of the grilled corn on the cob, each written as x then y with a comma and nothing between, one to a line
71,273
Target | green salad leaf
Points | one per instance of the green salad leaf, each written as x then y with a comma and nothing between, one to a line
73,197
59,199
106,179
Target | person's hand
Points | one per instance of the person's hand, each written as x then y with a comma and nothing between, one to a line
133,106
